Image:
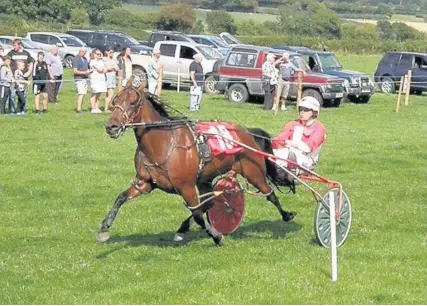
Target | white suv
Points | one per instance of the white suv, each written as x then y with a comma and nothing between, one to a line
68,45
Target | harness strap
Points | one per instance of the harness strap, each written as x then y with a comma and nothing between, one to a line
192,129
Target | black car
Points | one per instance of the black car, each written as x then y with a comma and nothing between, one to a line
110,39
395,65
157,35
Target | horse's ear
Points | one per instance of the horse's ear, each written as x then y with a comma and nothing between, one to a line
130,82
142,86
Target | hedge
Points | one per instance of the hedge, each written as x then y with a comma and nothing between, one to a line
356,46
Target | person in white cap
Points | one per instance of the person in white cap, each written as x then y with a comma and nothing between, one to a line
301,139
154,72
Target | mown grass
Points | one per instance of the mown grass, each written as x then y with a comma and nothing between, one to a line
60,174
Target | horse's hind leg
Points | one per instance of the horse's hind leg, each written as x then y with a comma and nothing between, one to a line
185,226
256,177
132,192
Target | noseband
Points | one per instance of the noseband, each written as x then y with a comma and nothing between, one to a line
130,120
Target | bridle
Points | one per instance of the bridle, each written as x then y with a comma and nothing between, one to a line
140,104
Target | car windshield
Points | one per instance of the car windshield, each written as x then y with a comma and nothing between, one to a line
209,52
130,40
329,61
28,44
218,42
300,63
72,41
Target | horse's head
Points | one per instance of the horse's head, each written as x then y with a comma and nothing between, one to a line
127,109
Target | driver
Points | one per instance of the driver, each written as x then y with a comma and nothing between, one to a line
302,138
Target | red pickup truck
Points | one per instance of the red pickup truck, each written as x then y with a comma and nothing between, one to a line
240,72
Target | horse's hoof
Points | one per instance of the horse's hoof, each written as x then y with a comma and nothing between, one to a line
220,242
103,236
289,216
178,237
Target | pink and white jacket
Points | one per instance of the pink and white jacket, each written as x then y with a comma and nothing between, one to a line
307,138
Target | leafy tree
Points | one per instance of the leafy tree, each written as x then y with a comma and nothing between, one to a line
198,27
176,17
96,9
220,21
79,17
384,9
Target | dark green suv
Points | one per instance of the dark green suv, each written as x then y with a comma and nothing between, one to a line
359,86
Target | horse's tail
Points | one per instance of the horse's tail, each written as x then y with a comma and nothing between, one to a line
263,140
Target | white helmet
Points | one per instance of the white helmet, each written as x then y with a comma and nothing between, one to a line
311,103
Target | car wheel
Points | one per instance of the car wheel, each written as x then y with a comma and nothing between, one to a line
238,93
210,85
313,93
139,76
359,100
68,60
387,85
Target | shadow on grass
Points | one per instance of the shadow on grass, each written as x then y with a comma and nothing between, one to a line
260,230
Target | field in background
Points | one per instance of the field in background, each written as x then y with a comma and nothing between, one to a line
413,21
201,14
61,173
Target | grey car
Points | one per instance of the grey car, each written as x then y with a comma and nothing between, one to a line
68,45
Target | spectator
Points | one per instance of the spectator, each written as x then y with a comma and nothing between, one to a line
111,77
269,80
98,83
125,65
18,53
81,75
154,72
6,81
56,70
197,78
286,70
21,87
40,83
1,55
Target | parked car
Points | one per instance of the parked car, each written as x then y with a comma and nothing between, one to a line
394,65
28,45
359,86
156,36
211,41
68,45
240,76
107,39
177,56
6,48
229,39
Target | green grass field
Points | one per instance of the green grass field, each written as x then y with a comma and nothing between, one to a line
201,14
60,174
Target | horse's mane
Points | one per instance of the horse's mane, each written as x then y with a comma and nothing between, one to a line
161,107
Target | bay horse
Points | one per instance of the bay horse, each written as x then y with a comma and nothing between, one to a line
167,158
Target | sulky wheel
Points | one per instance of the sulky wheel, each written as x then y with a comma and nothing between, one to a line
322,223
228,208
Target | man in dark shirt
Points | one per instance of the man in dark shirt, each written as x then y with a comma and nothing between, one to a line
40,83
81,74
197,80
19,54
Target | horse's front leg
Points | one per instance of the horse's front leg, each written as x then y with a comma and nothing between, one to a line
135,190
185,226
190,196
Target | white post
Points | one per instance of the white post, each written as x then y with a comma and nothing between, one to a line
332,216
179,80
